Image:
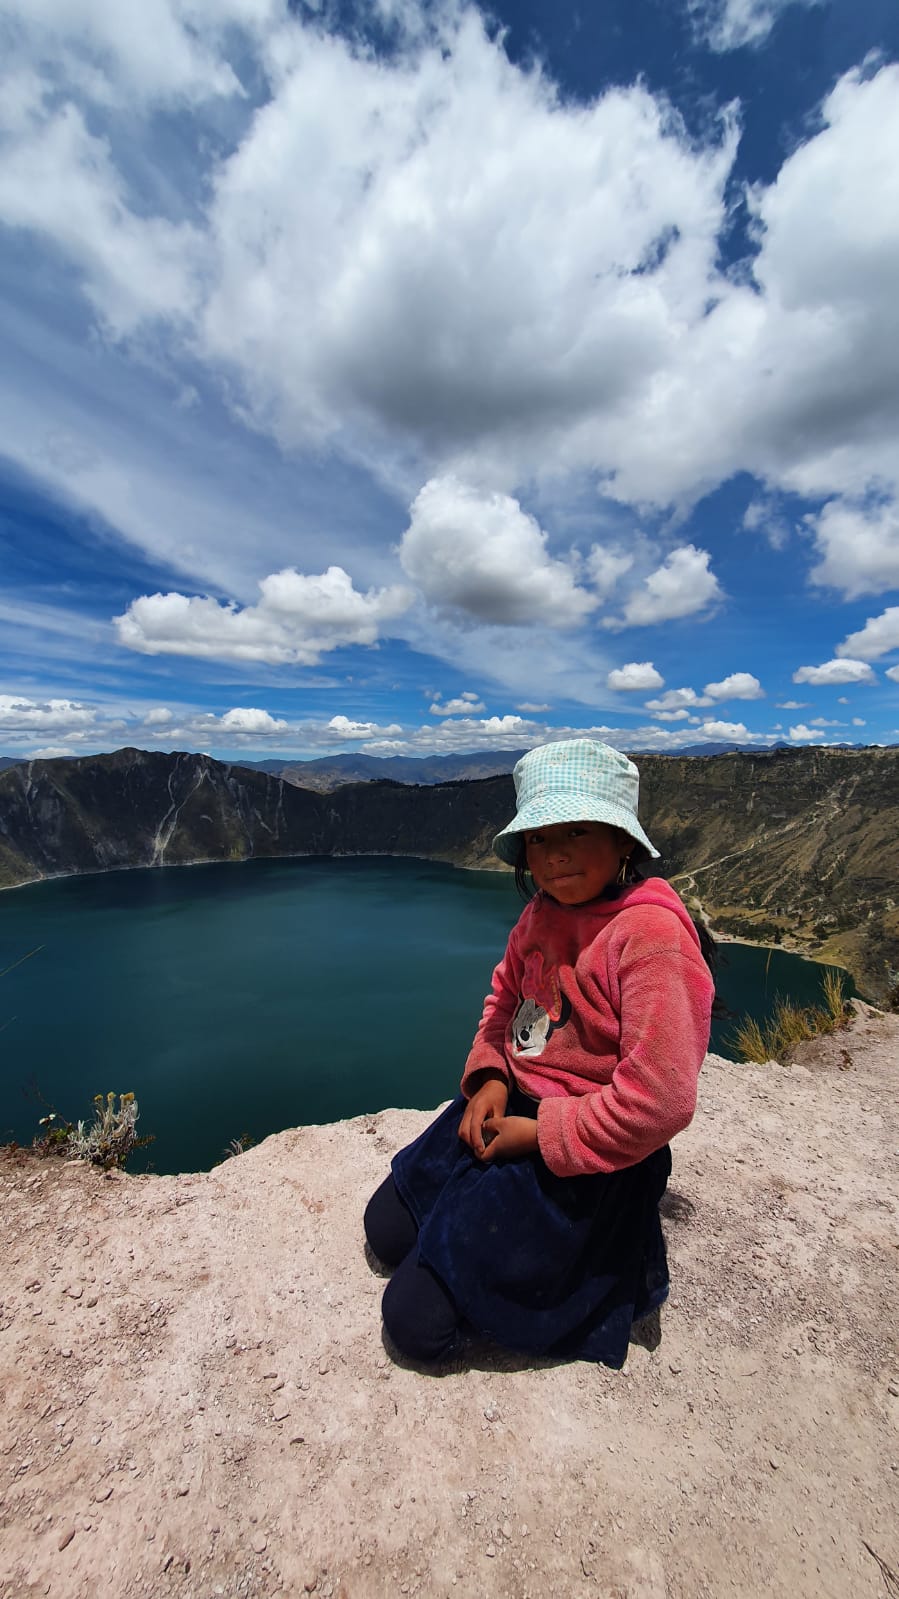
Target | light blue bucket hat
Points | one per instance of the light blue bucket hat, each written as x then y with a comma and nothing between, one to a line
578,780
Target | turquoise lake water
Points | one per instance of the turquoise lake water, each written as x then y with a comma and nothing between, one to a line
247,998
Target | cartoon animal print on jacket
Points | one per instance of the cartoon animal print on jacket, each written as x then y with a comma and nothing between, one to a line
542,1007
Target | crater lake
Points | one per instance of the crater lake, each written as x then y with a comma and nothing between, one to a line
241,999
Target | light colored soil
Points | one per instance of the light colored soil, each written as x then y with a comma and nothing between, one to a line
198,1401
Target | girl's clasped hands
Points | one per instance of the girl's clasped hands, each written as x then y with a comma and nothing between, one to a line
489,1132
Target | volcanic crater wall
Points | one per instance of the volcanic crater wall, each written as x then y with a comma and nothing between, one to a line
793,846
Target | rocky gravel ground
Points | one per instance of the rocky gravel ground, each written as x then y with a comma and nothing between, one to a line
198,1402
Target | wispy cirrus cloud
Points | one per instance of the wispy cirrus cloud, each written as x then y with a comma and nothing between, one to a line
737,24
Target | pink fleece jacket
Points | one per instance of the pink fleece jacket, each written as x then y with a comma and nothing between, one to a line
601,1012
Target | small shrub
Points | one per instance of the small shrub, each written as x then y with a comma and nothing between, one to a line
107,1141
112,1135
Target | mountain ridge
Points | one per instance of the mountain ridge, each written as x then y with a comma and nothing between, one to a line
326,772
799,846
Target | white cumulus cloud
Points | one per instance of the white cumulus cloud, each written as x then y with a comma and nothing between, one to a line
298,619
336,298
859,546
344,727
682,586
483,555
634,676
805,735
467,704
735,731
307,243
675,699
879,636
246,719
21,715
812,340
580,323
503,724
738,686
832,672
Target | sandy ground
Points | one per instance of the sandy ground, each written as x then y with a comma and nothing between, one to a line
198,1401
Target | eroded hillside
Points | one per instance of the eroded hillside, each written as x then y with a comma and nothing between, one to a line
798,846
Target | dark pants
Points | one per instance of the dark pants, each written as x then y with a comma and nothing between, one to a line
419,1314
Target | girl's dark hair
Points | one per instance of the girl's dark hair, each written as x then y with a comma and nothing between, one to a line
633,873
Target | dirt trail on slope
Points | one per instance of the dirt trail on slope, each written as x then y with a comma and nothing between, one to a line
198,1401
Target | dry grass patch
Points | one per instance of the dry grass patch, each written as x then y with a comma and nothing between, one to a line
792,1024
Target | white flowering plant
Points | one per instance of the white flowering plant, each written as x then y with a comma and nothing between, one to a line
106,1141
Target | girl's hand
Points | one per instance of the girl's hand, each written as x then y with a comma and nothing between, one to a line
513,1137
490,1100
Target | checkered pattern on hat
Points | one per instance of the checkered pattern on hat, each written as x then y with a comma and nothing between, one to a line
577,780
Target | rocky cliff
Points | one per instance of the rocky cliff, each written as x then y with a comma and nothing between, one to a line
134,808
793,846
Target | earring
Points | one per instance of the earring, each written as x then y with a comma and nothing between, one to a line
622,871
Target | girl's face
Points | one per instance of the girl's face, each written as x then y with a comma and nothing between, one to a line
575,861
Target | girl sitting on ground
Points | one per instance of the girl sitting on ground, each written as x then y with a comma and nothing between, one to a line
528,1212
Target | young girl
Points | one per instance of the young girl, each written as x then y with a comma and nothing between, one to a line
528,1211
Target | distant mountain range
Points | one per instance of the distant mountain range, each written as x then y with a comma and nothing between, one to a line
327,772
794,845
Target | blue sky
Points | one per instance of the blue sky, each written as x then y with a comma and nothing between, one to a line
417,377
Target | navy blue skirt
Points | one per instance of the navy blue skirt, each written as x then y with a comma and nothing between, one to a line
539,1263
